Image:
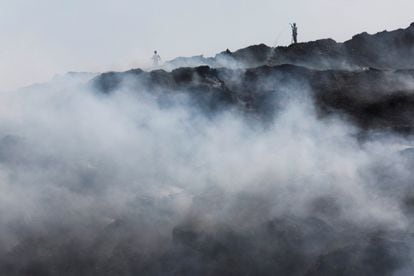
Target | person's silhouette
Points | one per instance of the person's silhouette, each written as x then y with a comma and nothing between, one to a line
294,33
156,59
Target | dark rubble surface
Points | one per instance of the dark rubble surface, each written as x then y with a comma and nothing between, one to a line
372,99
283,246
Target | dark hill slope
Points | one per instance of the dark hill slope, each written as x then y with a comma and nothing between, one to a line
367,79
384,50
374,99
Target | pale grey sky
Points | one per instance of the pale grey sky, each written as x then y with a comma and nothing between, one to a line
41,38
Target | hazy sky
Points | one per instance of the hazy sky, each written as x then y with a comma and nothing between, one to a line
41,38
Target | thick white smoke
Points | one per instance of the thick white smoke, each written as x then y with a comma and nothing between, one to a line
74,164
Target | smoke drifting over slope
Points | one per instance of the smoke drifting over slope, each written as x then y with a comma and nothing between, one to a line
384,50
208,172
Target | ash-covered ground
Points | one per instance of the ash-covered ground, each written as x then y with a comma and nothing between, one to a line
265,161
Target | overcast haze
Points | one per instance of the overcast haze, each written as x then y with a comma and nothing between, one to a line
42,38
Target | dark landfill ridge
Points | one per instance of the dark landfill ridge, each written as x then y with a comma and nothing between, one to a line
291,160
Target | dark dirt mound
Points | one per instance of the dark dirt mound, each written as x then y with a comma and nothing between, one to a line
384,50
373,99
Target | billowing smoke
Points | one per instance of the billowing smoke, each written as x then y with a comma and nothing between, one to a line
142,183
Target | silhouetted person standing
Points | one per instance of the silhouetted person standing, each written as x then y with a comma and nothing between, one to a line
294,33
156,59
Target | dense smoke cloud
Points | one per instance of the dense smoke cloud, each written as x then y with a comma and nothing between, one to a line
136,183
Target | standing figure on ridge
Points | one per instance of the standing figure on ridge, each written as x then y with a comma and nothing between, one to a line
294,33
156,59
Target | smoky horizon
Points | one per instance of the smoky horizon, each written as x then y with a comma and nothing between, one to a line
42,39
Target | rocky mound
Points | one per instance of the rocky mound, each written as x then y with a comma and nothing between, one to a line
384,50
367,78
373,99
